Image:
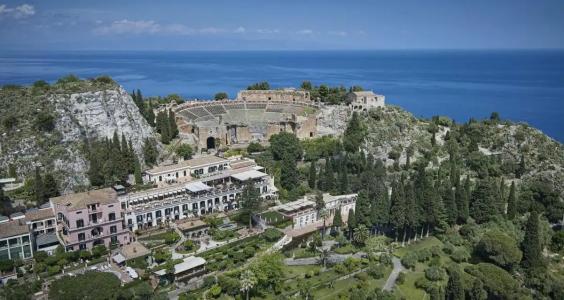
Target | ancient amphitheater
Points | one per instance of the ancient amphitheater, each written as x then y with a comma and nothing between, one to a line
257,115
253,116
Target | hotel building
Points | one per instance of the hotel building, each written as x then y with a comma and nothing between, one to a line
217,187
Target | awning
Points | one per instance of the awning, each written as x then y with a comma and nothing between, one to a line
252,174
197,187
118,258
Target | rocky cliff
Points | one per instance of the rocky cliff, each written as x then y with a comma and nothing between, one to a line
499,146
47,126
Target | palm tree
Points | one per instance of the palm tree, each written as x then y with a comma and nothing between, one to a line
248,281
323,257
360,234
321,212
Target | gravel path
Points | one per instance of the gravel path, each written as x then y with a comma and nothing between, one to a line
391,282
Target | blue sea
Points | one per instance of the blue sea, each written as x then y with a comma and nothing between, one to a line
521,85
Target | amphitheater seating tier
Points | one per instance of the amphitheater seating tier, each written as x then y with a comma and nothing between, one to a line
216,109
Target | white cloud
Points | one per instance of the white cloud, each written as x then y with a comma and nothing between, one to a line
129,27
18,12
267,31
305,32
338,33
126,26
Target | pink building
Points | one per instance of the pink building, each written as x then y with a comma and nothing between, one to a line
90,218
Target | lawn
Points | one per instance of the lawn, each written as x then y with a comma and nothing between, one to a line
408,290
421,244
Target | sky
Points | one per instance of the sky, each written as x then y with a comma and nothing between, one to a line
280,25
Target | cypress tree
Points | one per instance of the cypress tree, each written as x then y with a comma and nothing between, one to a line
288,172
50,185
412,213
450,202
532,247
381,208
484,201
338,219
312,176
511,202
137,171
398,210
454,289
521,169
461,196
39,190
362,209
150,114
172,124
343,179
351,222
329,176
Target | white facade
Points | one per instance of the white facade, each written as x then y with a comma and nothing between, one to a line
211,193
186,170
364,101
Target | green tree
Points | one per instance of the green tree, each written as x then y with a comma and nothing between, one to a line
285,144
137,171
521,168
150,151
50,184
511,202
221,96
263,85
462,200
351,222
484,201
250,200
173,127
338,219
354,134
288,173
360,234
248,280
269,270
532,245
306,85
184,151
39,188
398,210
500,248
312,175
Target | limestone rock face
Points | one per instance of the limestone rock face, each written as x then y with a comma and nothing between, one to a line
84,113
95,115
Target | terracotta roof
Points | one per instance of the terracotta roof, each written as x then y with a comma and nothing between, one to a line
13,228
191,163
39,214
134,250
81,200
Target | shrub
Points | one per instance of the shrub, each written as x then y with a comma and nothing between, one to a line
52,270
340,268
499,248
436,251
99,250
498,283
221,96
401,278
376,271
271,235
68,79
460,255
434,273
448,248
361,276
409,260
386,259
45,122
423,255
255,147
104,79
